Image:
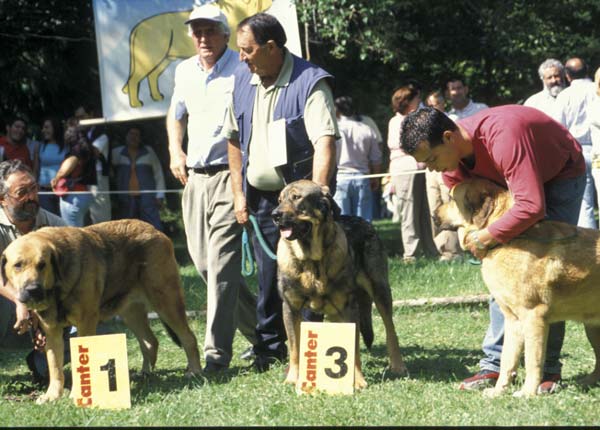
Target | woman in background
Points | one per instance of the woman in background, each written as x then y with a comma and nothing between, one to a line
415,224
76,173
48,155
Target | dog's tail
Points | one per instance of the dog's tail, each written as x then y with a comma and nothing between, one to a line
365,309
172,334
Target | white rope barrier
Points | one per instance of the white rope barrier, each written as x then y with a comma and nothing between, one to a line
180,190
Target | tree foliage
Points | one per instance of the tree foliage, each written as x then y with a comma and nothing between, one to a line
376,44
49,61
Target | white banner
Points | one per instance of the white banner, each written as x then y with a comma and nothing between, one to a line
140,42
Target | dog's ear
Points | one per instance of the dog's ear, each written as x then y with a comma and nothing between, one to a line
483,210
55,262
2,269
328,205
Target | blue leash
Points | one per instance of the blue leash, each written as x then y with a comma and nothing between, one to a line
247,259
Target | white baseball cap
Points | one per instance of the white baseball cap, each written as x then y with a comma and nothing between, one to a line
209,12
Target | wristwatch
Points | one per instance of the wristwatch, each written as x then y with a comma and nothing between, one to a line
476,241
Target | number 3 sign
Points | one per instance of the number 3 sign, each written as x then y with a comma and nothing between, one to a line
100,371
326,358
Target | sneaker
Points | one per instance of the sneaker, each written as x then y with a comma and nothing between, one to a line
550,383
248,354
213,368
479,381
262,363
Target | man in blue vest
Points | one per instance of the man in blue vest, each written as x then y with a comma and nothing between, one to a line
281,127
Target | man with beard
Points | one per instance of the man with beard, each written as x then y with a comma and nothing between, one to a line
551,74
20,214
13,146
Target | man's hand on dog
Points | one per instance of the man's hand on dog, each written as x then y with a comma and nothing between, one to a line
24,322
478,242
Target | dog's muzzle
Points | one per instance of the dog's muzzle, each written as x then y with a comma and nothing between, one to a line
32,293
289,227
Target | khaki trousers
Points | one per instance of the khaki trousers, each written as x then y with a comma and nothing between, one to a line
214,243
415,222
438,193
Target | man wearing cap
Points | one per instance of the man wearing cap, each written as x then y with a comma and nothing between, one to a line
281,127
203,85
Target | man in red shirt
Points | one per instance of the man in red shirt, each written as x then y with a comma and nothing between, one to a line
533,156
14,145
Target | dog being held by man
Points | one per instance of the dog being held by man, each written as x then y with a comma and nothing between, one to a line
334,265
79,276
549,273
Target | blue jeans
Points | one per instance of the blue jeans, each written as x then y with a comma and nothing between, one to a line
563,201
354,196
586,214
73,208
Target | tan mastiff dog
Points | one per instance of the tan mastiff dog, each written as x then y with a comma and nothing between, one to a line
79,276
549,273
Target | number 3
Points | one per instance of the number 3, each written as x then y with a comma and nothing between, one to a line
340,362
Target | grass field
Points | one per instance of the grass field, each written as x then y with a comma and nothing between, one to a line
441,346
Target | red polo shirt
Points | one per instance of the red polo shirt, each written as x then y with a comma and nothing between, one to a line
520,148
15,152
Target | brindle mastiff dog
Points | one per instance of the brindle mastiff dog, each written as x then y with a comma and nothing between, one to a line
337,268
78,276
549,273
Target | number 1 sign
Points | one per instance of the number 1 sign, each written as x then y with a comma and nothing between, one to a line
326,358
100,371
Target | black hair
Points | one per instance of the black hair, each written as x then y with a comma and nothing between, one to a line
455,78
265,27
345,106
57,127
426,124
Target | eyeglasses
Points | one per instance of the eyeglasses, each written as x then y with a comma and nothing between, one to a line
23,192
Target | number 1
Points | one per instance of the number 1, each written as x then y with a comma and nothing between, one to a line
112,374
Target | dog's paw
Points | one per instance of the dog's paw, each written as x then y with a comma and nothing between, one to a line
47,397
492,392
292,376
523,394
360,383
395,373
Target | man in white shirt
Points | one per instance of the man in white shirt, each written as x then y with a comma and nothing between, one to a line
551,74
572,111
457,92
203,87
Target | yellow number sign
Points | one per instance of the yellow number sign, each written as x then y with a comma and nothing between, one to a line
326,358
100,371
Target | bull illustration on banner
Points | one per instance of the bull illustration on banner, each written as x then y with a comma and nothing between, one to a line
155,42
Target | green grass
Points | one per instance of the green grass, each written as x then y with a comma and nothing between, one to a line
441,346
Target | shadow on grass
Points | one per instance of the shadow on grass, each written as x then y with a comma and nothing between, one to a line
433,364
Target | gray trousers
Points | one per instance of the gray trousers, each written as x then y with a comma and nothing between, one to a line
214,243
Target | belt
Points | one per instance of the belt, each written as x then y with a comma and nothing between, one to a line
211,170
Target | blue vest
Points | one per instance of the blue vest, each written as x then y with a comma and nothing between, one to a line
290,105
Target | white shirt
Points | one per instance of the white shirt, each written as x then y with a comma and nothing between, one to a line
543,101
594,115
572,106
204,96
357,148
470,109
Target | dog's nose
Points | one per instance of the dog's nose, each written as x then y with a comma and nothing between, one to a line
33,292
276,215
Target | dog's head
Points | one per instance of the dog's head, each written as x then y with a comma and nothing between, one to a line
30,266
474,203
303,206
